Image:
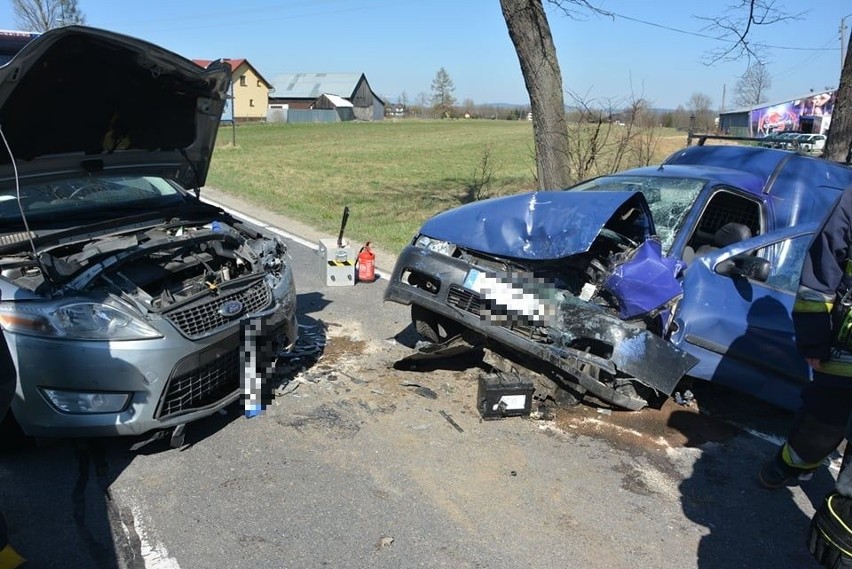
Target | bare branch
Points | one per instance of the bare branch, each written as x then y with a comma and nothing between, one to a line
735,25
43,15
577,8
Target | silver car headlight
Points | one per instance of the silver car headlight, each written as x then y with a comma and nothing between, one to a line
75,320
436,245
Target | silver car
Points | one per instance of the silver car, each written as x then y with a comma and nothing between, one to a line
123,297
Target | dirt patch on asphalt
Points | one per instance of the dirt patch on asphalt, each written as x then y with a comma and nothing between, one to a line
671,426
358,382
340,348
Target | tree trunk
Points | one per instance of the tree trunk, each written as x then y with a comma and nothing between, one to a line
530,33
838,145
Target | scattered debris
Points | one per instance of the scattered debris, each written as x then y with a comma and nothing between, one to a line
603,411
451,421
428,353
420,390
685,399
311,342
543,413
384,542
288,387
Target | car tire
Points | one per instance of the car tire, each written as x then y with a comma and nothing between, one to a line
12,438
433,327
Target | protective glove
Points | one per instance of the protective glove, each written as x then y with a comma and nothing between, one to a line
830,534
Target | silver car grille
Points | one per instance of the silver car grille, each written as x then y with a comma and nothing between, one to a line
201,387
204,318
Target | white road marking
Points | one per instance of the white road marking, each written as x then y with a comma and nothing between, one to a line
154,553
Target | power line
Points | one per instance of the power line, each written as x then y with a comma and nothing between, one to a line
716,38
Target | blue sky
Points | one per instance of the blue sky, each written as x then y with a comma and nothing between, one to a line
401,44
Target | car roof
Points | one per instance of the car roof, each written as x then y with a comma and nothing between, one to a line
801,188
744,180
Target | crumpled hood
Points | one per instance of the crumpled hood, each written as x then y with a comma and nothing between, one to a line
79,99
535,225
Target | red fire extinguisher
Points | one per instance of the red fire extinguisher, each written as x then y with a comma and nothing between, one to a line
366,264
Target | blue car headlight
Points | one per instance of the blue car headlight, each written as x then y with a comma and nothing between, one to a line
75,319
436,245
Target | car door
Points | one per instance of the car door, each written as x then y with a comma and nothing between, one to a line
741,328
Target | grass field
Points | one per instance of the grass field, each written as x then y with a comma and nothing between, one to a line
392,175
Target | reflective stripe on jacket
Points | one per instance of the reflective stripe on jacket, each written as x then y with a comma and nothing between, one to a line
825,279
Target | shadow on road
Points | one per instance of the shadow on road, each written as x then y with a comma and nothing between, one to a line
59,507
746,525
57,499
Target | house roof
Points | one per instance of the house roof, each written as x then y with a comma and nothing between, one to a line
312,85
338,101
235,64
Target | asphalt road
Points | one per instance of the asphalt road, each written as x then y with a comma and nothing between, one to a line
354,466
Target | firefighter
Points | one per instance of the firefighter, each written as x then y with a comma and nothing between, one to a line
823,324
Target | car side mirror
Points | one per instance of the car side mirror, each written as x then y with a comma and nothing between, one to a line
745,266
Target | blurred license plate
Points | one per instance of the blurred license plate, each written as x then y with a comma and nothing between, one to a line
473,280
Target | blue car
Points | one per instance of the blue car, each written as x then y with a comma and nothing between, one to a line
622,285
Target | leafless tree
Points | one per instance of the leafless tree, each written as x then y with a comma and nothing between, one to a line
604,137
43,15
423,103
468,107
700,105
479,186
752,88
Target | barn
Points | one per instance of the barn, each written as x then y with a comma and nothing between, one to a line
307,90
810,113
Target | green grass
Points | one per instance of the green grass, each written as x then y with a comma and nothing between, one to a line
392,175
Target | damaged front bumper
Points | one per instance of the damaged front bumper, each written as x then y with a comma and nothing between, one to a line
156,384
627,352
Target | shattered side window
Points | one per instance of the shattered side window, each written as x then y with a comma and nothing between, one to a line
669,199
787,258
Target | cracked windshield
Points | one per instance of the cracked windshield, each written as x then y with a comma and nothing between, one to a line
669,199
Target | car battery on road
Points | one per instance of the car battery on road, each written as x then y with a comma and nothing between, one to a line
501,394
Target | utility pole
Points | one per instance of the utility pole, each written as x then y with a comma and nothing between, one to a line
843,41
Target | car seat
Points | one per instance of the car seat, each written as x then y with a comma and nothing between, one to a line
728,234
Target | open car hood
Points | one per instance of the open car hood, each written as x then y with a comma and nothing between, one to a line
79,99
542,225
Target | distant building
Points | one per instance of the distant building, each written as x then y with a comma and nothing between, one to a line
809,113
303,90
12,41
396,111
251,91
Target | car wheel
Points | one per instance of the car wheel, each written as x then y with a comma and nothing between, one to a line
433,327
12,438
